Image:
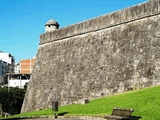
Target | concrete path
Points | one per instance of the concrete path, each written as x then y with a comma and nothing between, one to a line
67,118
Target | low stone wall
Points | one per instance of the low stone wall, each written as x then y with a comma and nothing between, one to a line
58,118
68,118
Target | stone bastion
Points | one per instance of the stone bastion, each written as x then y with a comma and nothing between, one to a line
110,54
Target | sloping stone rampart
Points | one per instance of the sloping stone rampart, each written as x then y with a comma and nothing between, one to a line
109,54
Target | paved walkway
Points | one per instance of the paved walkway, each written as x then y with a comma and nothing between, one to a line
66,118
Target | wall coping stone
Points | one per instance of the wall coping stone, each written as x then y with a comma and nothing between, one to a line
123,16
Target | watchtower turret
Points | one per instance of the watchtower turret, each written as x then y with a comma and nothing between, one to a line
51,25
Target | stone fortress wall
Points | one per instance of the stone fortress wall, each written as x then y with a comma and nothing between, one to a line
102,56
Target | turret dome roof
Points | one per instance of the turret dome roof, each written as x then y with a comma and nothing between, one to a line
52,22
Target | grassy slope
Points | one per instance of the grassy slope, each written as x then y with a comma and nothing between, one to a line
145,102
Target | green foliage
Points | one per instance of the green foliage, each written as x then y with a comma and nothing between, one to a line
11,99
145,102
0,109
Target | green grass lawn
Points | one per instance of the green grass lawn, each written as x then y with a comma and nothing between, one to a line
145,102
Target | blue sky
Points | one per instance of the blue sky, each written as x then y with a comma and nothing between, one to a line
22,21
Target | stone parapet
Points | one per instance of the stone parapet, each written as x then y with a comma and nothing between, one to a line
130,14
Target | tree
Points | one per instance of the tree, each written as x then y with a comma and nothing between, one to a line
12,99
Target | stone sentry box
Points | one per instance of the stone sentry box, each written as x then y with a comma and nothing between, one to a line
109,54
51,25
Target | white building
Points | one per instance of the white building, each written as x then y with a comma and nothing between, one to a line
18,83
17,68
7,57
18,80
7,63
3,70
3,67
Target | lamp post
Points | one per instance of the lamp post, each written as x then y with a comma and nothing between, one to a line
8,100
8,81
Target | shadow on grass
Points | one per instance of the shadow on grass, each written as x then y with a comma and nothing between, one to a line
135,117
63,113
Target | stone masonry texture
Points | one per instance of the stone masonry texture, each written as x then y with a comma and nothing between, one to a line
106,55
